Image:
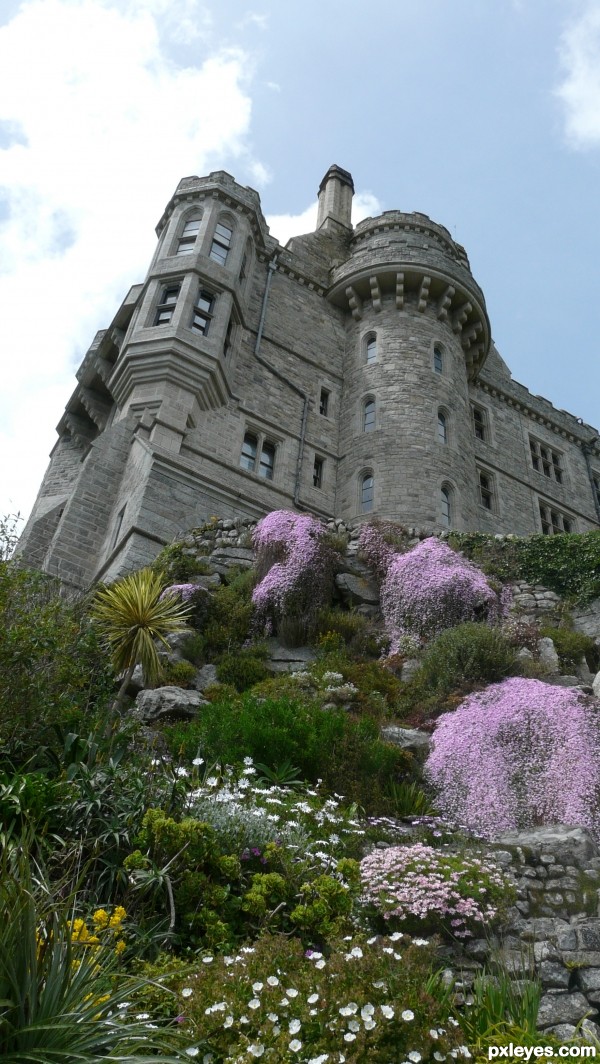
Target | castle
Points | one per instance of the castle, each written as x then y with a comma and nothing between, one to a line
350,373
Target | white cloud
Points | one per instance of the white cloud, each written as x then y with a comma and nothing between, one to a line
284,226
579,90
108,122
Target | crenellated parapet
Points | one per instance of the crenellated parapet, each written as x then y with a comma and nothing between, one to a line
414,262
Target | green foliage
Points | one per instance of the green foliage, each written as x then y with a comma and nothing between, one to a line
241,670
571,647
52,666
355,630
25,799
176,564
56,995
502,1005
204,883
193,648
229,615
471,653
178,674
322,998
568,564
408,799
102,804
131,615
9,536
346,754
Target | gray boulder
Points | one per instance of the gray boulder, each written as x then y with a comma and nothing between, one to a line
173,703
548,655
596,685
586,619
357,590
412,739
206,677
557,1007
569,845
288,659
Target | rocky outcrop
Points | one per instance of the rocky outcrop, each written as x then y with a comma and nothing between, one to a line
171,703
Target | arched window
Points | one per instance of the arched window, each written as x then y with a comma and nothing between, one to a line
221,243
188,235
369,415
438,359
367,492
442,427
446,504
371,348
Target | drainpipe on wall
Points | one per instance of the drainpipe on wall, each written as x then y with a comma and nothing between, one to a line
263,311
587,450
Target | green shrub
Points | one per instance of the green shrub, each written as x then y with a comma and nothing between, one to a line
568,564
52,667
355,629
229,615
193,648
178,674
470,653
346,754
571,647
177,564
241,670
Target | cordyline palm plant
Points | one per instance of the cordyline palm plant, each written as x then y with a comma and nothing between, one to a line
132,615
61,1002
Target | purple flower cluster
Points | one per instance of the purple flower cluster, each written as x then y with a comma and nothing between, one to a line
377,553
297,564
184,591
431,588
519,754
420,883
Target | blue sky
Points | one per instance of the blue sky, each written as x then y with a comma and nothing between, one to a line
484,114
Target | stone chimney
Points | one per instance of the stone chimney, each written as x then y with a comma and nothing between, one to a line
335,198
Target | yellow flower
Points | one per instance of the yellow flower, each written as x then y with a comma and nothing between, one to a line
100,918
120,946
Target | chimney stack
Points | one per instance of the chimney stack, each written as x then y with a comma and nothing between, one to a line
335,198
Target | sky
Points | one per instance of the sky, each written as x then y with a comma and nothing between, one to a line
483,114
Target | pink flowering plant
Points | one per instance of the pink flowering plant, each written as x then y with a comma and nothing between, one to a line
296,566
519,754
183,591
431,588
418,887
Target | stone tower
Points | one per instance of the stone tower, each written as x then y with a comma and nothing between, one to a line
350,373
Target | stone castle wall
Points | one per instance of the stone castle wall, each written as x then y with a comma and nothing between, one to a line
150,442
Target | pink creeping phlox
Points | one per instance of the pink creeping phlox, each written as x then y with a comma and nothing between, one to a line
431,588
419,882
185,591
519,754
297,566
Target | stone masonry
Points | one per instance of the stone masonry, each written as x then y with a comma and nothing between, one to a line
351,374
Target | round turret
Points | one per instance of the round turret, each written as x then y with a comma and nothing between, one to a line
417,333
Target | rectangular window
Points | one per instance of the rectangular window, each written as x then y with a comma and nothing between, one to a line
553,521
118,526
479,423
324,402
221,243
546,461
203,312
486,490
168,299
188,236
227,342
596,482
266,466
367,493
249,451
318,472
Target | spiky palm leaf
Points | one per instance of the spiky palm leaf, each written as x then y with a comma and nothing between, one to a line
132,615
